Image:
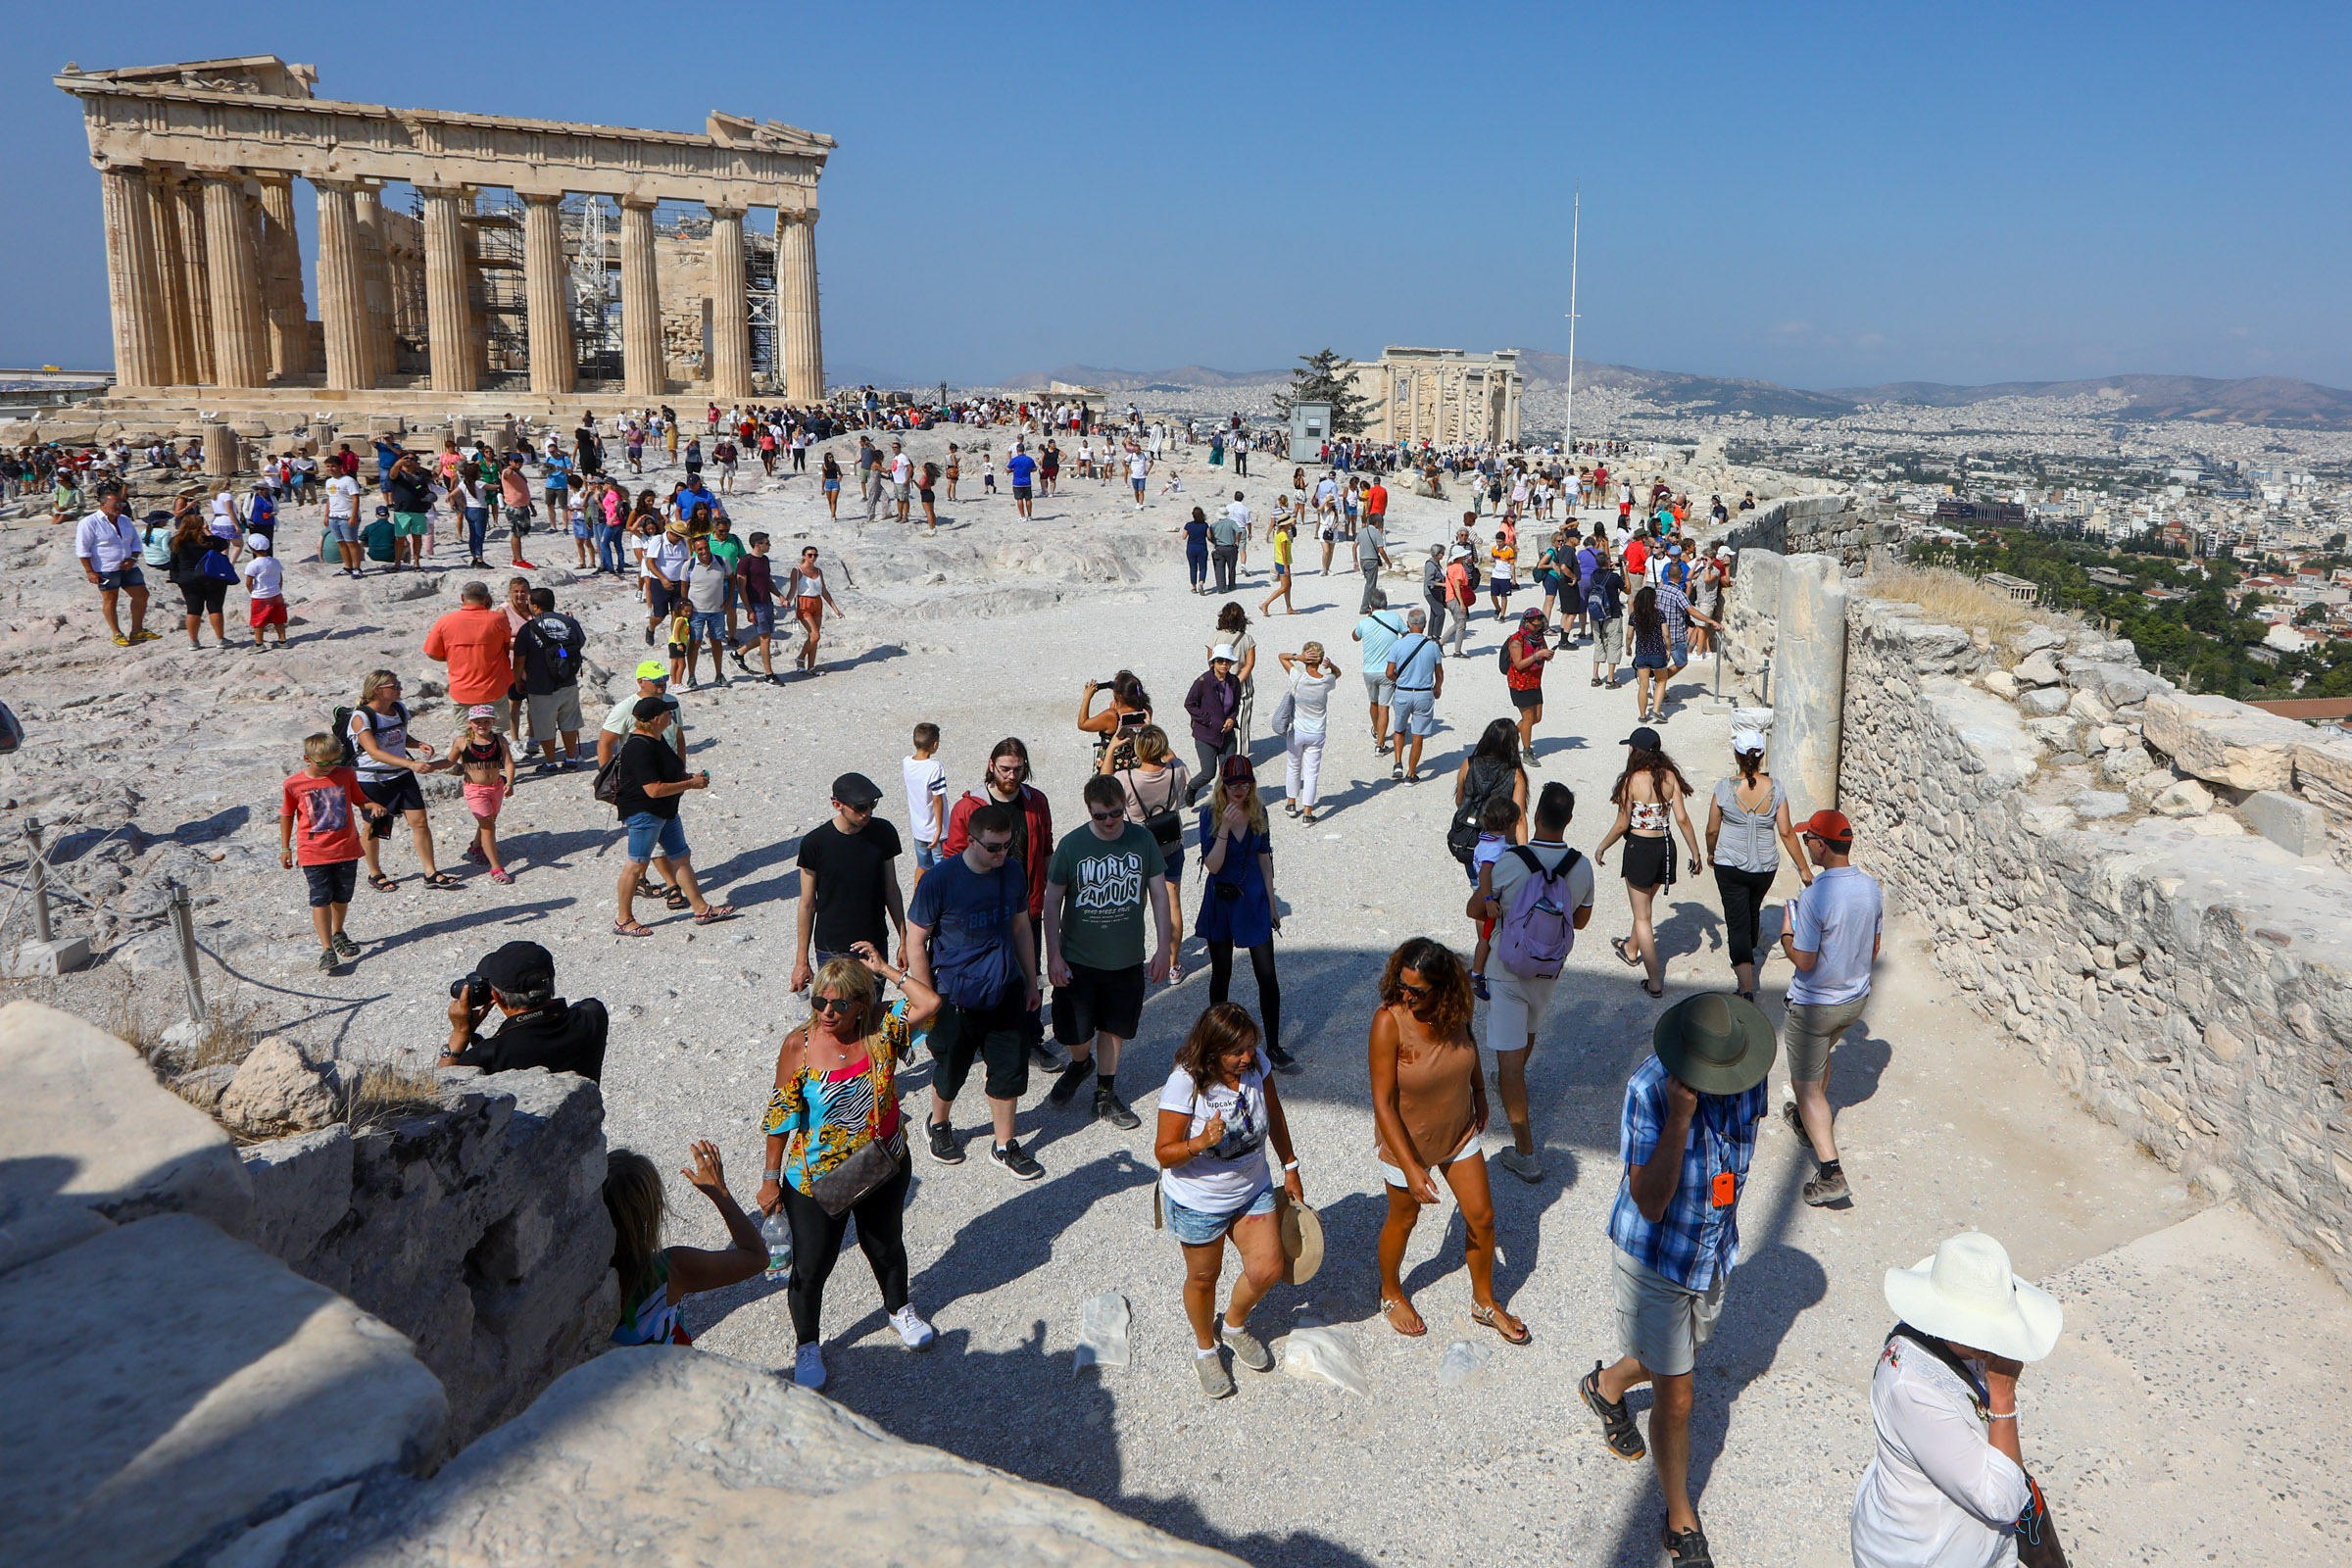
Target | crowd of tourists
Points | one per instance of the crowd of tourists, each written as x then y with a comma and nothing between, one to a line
1007,946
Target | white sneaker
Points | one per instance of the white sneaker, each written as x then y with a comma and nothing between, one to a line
911,1328
808,1366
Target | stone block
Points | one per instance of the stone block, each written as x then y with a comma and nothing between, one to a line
2037,669
2095,804
83,1122
301,1190
278,1091
718,1461
2043,702
2296,826
2222,742
2323,774
2116,684
2183,797
47,961
2090,707
2035,639
2001,684
189,1386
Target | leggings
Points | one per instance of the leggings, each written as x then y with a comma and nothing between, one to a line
816,1244
1196,564
1269,988
1743,894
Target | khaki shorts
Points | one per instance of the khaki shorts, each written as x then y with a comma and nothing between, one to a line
1659,1323
1609,641
556,713
1516,1007
1809,1029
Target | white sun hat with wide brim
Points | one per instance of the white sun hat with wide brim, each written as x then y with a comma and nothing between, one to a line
1967,1293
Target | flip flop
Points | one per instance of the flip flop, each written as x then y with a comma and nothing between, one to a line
1388,1309
1632,960
1484,1317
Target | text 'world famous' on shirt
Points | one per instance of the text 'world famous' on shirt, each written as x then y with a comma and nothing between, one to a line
1106,884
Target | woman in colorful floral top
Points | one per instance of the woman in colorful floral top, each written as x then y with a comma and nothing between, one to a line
836,1093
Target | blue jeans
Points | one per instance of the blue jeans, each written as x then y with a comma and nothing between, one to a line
651,835
477,525
609,556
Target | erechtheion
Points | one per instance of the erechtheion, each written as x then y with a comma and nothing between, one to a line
1442,396
499,282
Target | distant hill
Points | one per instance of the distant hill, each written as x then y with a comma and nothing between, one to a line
2251,400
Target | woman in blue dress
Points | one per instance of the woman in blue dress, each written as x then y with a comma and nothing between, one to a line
1237,907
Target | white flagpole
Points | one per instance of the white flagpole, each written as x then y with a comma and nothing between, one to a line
1575,237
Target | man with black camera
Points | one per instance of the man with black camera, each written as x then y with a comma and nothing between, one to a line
540,1028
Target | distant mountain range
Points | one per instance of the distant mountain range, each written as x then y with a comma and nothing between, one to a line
2251,400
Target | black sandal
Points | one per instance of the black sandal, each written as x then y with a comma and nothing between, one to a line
675,898
1688,1548
1617,1428
1632,960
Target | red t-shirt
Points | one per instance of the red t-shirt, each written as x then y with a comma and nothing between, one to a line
1530,679
1376,499
474,643
1636,557
324,812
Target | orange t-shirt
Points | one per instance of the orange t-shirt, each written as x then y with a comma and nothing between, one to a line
475,644
1376,500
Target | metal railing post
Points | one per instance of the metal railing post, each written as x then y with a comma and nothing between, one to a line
41,927
183,930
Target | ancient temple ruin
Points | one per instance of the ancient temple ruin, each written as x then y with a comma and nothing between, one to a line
538,258
1442,396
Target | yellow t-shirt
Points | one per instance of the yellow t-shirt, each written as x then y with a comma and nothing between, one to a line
1281,545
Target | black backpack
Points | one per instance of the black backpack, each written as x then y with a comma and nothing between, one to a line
342,723
1485,778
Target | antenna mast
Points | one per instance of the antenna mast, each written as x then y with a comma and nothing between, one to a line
1575,236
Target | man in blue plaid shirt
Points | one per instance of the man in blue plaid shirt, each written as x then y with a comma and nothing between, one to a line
1687,1136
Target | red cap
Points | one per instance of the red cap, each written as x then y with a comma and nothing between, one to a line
1831,827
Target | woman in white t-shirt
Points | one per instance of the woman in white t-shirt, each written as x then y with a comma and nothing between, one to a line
1313,678
1216,1114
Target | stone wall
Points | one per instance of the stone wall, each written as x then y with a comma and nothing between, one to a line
2129,880
1817,525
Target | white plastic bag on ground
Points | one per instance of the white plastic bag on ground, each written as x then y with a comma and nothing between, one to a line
1460,1361
1320,1352
1101,1332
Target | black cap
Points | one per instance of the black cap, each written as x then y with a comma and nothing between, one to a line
1643,739
856,789
519,968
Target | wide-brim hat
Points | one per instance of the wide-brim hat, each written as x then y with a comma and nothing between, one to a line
1965,1294
1716,1044
1301,1241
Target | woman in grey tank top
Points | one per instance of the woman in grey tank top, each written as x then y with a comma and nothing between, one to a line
1749,812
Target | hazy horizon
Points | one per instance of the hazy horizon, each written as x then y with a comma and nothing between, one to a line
1871,197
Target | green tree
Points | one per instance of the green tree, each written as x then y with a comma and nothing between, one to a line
1323,377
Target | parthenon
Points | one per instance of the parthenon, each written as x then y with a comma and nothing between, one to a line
498,283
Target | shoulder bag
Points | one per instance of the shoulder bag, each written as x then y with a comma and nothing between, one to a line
840,1189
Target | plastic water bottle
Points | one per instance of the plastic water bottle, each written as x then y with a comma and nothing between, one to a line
776,1231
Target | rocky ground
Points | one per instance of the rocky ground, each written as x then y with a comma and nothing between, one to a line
2170,1419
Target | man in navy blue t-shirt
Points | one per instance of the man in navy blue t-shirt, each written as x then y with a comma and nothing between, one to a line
967,938
1023,469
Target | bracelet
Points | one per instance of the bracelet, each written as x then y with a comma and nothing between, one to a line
2000,1415
1290,1164
771,1175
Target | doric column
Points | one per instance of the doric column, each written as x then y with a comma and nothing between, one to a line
448,325
170,279
383,358
130,280
195,259
343,286
641,358
547,293
804,351
232,255
730,309
281,278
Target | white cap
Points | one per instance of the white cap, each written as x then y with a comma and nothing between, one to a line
257,541
1225,652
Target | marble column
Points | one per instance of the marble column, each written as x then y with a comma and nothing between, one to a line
195,259
547,293
343,286
641,357
281,280
449,329
232,256
730,308
132,293
170,277
383,355
798,338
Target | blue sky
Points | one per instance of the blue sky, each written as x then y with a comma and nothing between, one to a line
1819,195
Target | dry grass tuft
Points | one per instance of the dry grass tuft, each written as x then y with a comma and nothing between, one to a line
382,1092
1957,600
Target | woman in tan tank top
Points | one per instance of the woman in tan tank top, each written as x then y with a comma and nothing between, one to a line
1429,1107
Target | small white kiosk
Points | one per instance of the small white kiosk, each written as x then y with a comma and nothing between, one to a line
1311,427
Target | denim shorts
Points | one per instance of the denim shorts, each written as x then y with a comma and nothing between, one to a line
126,576
345,529
926,856
1649,660
764,620
708,623
651,835
1195,1228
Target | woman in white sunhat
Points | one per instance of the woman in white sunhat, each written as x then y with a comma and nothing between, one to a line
1948,1487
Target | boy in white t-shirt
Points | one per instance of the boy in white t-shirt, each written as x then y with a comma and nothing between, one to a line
926,800
266,582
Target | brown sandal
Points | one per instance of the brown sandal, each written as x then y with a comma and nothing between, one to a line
1388,1309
